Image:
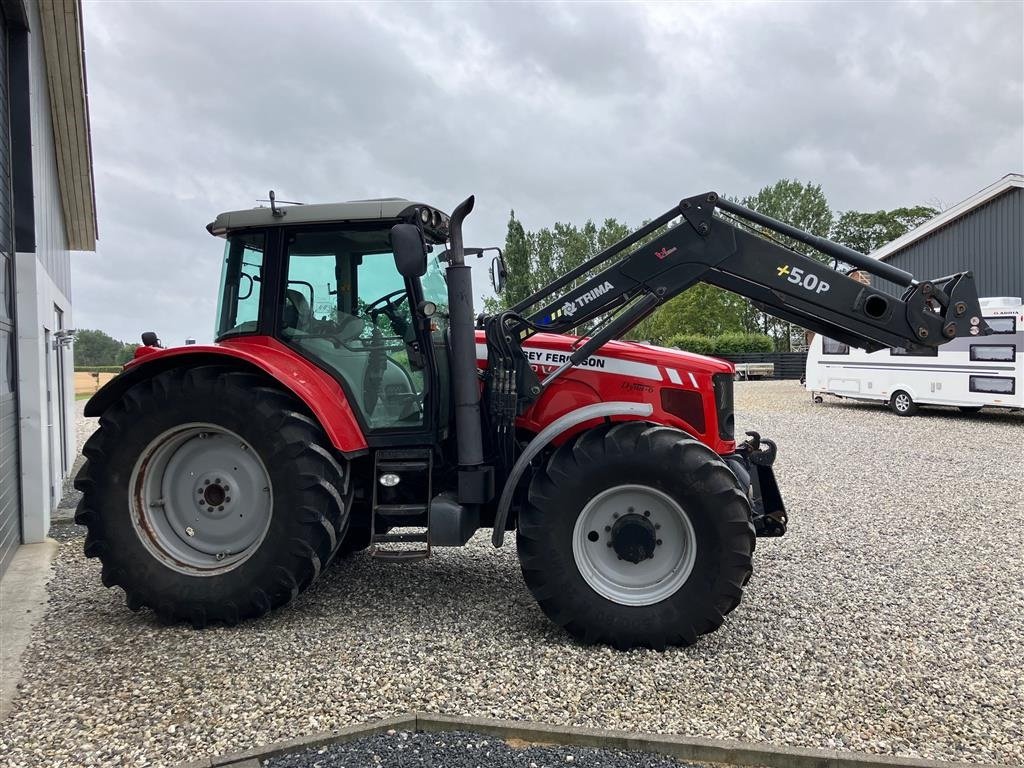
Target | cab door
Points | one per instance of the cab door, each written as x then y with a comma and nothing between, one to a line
345,307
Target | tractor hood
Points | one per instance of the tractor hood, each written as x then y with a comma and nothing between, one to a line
547,351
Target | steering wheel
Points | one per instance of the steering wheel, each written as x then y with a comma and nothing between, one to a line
388,304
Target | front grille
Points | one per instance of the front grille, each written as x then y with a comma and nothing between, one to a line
722,383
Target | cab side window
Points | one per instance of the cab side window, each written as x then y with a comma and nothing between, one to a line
238,311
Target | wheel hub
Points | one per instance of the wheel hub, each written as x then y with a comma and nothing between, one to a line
616,536
201,499
634,538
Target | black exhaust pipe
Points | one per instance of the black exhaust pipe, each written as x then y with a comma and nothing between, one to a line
461,318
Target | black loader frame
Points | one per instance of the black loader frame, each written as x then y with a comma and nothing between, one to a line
714,243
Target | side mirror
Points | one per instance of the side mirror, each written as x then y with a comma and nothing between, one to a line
409,249
498,273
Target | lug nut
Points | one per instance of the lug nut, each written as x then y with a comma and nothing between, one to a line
190,531
647,513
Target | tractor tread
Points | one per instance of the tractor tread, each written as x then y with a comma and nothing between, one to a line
317,484
709,488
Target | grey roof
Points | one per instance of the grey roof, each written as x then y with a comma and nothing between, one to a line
353,210
1009,181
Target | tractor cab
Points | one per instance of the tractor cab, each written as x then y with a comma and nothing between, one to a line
323,280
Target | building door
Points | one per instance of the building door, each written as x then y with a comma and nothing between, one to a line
62,417
10,497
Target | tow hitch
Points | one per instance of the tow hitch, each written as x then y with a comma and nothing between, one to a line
752,464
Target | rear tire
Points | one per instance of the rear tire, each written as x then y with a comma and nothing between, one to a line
601,598
902,404
256,443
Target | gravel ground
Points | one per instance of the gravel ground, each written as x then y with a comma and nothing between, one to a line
889,620
462,750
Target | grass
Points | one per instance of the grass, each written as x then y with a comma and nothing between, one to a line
83,395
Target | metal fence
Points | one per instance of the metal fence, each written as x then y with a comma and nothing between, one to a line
788,365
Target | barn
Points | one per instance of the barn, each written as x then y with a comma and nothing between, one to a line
47,210
984,234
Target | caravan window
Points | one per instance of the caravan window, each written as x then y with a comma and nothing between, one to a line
998,385
994,352
919,352
833,347
1002,324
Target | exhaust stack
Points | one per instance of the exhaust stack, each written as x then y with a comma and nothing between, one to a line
465,382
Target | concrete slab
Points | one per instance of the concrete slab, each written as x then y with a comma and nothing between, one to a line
22,604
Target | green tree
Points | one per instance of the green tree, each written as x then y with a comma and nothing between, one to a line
98,348
700,310
519,283
802,205
866,232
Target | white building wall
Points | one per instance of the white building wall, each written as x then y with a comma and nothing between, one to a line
43,282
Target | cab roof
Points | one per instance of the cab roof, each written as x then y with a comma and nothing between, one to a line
378,209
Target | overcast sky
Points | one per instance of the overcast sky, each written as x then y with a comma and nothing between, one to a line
561,112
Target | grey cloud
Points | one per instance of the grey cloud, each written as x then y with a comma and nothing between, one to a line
561,112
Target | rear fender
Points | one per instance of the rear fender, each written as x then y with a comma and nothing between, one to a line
319,391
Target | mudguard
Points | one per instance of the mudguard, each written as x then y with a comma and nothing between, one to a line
544,437
317,389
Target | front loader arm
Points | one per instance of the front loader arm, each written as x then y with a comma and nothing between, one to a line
705,247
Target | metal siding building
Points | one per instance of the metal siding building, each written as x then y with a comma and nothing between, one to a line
47,210
984,234
10,504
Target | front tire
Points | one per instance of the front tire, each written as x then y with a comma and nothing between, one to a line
661,570
902,404
210,496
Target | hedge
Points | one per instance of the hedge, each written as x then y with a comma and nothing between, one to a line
98,369
726,344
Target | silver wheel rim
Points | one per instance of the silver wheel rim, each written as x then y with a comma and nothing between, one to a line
627,583
902,402
201,499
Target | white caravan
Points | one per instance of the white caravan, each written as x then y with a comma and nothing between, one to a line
970,373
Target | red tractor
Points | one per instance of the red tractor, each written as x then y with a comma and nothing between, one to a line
354,400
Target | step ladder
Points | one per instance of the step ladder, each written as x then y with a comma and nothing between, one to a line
409,465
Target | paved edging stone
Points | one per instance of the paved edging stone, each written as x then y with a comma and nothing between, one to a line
23,604
682,747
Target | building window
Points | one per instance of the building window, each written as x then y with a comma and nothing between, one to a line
1003,353
1002,324
833,347
918,352
997,385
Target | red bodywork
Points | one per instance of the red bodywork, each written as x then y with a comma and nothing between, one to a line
620,372
319,390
